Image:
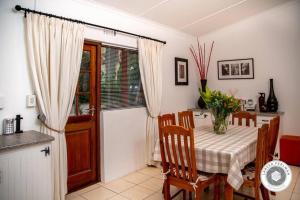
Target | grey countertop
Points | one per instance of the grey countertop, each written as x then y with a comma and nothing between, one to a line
13,141
266,114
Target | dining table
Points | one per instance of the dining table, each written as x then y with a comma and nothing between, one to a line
224,154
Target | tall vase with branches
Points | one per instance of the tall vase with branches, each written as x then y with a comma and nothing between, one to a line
202,63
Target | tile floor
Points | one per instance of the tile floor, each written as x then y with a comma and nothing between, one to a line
147,184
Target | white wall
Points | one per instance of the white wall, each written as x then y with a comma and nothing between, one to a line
272,38
122,140
15,79
14,76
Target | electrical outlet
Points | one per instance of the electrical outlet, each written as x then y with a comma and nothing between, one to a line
30,101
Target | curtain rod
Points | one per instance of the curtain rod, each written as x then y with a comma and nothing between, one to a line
27,10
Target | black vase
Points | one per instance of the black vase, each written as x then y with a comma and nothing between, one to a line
272,103
261,102
201,103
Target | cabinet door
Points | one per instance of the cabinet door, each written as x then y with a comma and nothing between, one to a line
263,120
36,173
3,178
26,174
10,176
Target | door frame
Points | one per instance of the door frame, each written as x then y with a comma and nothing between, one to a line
98,104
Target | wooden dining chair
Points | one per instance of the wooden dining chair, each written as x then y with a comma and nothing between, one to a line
186,119
179,162
252,175
244,115
273,136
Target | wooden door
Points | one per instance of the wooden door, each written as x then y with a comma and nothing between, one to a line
81,130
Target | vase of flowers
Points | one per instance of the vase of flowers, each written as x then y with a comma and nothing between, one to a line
220,106
202,63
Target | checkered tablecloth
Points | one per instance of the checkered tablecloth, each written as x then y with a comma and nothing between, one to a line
227,153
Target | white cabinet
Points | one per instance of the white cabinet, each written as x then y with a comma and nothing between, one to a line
25,174
202,118
261,120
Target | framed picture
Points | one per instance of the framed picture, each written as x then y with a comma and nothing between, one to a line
236,69
181,71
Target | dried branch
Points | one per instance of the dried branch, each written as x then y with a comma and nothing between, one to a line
211,48
204,60
195,58
199,58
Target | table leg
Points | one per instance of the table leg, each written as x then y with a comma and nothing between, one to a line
228,191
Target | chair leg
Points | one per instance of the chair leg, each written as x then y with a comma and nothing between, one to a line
256,192
228,191
197,195
264,193
190,195
184,194
217,188
206,189
273,193
166,189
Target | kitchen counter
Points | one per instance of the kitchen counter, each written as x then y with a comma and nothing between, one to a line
13,141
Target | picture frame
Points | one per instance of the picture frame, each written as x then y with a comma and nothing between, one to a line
181,71
236,69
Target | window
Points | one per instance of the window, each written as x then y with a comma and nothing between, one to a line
121,85
85,97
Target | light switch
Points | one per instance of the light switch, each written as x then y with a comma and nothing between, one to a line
30,101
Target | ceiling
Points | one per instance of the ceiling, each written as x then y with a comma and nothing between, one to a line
195,17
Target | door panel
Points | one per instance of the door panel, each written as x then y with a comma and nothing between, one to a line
80,155
81,131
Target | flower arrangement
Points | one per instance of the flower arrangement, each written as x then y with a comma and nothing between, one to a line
220,106
200,59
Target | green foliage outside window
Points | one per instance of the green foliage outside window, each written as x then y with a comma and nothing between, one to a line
120,79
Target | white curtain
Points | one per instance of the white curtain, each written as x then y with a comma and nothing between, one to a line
150,58
54,50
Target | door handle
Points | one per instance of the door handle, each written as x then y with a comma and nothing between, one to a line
91,110
46,150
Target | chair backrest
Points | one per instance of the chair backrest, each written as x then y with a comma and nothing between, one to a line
163,121
262,151
244,115
178,152
166,120
273,135
186,119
